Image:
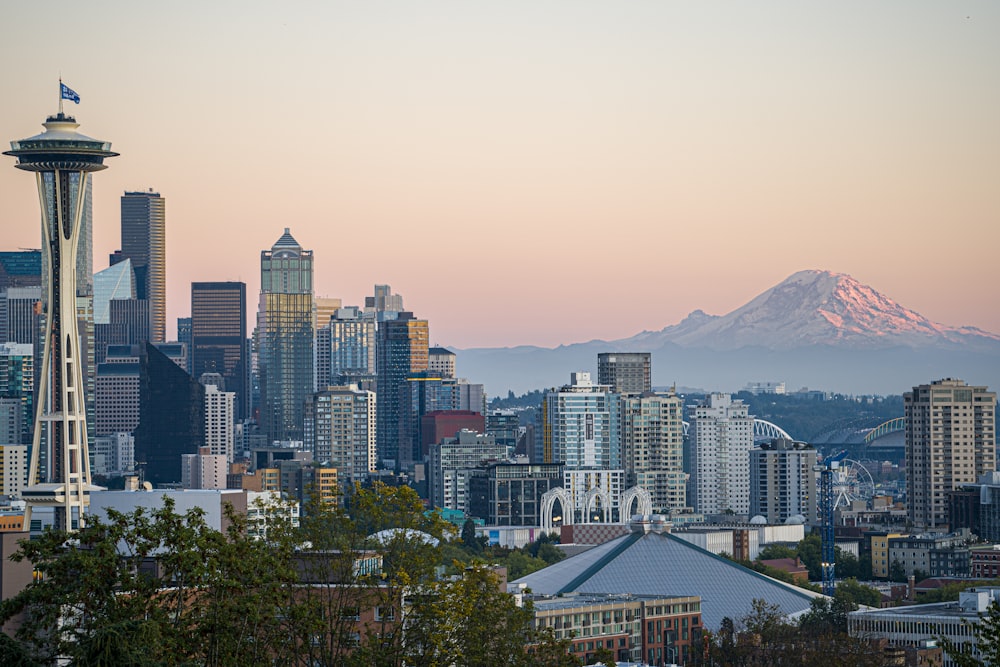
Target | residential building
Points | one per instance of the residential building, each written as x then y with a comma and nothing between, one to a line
220,408
984,562
204,470
988,515
144,241
625,372
113,455
580,426
721,432
285,337
340,430
937,555
401,351
783,482
218,341
652,445
950,432
879,548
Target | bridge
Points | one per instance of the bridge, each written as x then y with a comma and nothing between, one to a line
885,428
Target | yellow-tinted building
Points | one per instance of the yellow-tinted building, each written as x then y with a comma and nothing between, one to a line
880,554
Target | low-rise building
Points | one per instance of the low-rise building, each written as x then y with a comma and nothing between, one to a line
937,555
919,625
635,628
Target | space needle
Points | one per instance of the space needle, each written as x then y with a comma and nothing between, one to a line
62,160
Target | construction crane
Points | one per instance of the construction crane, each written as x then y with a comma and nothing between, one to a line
827,503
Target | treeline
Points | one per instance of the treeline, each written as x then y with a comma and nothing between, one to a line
354,586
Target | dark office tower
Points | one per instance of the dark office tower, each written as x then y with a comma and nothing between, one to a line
129,321
626,372
21,268
184,336
171,417
218,337
285,337
401,350
144,241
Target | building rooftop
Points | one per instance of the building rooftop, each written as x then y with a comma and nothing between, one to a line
661,564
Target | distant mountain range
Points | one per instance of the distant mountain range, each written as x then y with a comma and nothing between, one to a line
817,329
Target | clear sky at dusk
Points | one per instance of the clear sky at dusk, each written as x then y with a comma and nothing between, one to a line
535,172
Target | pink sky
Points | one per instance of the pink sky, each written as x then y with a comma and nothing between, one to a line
536,173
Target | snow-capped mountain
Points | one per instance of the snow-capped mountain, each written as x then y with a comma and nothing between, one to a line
815,308
816,328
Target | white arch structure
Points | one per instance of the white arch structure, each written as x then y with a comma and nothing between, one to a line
548,502
597,493
635,493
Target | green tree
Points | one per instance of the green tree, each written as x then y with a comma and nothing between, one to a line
986,641
859,594
469,538
810,551
776,551
897,572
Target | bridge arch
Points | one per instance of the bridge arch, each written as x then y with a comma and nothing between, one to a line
885,428
765,431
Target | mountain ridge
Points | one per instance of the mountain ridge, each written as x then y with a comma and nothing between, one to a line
813,328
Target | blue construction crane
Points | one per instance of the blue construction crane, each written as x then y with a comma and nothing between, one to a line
828,551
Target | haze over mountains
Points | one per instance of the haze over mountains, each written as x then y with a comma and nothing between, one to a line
815,329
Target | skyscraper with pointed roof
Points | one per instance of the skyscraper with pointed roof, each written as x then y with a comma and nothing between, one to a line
284,337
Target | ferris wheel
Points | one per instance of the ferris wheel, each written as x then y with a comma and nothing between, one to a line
851,481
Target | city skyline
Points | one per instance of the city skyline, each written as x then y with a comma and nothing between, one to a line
686,157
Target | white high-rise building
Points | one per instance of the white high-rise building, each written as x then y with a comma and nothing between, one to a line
722,437
652,436
13,469
579,426
220,413
203,470
339,430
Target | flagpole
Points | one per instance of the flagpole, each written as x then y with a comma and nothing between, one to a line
60,97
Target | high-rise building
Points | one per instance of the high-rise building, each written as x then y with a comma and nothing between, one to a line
722,437
652,436
171,417
13,469
580,426
184,338
285,337
220,425
625,372
144,241
21,310
17,383
783,482
401,351
384,305
129,321
426,392
340,430
117,392
950,436
20,268
62,160
345,347
218,337
441,361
